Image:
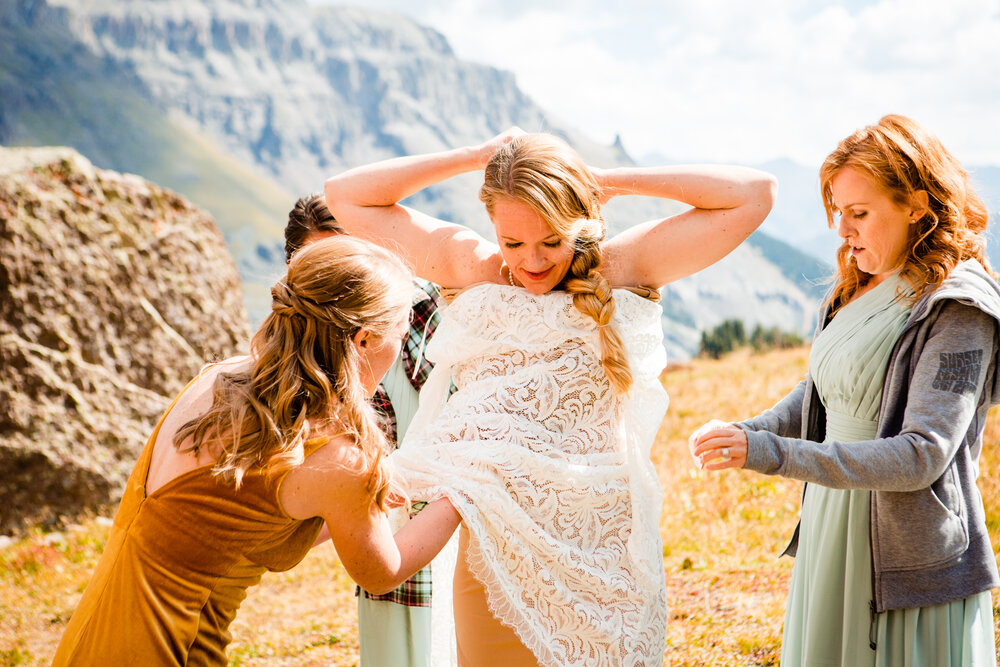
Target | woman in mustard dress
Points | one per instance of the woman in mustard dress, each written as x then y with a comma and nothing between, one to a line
248,464
893,559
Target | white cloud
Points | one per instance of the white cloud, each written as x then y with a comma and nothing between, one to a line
737,81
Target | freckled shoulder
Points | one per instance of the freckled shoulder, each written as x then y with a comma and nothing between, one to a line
335,473
615,265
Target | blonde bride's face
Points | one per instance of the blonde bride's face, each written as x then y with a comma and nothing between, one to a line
537,257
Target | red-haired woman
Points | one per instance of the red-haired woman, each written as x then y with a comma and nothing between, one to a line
893,559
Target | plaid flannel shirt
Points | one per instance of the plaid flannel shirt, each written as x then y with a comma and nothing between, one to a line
415,591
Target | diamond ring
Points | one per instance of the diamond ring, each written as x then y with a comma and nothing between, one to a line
725,453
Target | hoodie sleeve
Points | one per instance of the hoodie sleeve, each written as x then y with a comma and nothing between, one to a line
943,400
784,419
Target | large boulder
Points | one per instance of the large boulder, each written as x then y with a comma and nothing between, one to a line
113,293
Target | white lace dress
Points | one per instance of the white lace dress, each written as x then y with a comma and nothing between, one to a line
549,469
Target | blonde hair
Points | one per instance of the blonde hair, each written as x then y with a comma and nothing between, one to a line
902,158
304,366
544,173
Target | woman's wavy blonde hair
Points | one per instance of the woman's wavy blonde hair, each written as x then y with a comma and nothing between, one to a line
304,366
544,173
902,158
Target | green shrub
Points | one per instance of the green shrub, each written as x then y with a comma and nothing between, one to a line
730,335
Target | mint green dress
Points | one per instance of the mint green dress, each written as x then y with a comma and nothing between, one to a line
391,634
827,619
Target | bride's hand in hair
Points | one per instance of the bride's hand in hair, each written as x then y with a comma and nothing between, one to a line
612,182
489,147
604,182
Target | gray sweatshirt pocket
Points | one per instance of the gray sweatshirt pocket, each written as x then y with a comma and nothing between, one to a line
932,518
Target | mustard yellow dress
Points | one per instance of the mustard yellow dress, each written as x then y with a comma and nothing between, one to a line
178,564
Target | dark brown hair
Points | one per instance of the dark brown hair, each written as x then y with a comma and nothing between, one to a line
310,214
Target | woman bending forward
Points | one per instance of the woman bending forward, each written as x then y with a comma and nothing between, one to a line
248,464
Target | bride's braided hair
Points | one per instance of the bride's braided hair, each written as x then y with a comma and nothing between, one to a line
544,173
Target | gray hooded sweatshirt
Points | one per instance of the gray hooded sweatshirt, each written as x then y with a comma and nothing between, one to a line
928,529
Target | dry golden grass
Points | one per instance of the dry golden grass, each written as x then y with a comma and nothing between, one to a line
721,532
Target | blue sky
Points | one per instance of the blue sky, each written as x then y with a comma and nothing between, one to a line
727,80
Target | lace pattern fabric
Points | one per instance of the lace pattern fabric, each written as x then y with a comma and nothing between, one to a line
549,469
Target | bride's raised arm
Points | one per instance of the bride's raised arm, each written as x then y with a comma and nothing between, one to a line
365,201
728,202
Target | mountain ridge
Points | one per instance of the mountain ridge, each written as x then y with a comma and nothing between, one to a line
243,106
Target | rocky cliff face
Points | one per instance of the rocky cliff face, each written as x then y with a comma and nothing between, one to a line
113,293
305,91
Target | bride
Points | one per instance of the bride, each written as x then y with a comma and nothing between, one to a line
554,346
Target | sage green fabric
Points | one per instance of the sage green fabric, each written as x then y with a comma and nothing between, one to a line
402,395
827,617
393,635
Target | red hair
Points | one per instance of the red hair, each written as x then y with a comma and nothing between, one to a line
902,158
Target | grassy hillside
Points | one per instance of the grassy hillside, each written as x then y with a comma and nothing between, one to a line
721,536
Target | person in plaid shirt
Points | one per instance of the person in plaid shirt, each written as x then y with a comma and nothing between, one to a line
394,629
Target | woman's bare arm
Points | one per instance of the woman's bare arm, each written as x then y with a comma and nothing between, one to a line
331,484
728,204
365,200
